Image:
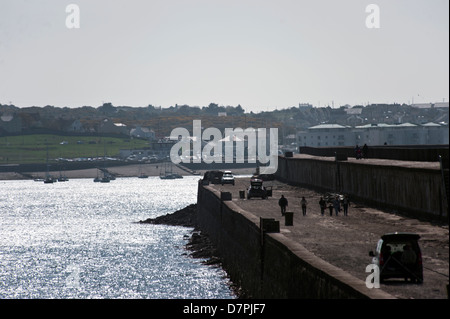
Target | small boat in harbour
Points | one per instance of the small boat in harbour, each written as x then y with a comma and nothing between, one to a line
62,178
142,174
168,174
105,179
49,180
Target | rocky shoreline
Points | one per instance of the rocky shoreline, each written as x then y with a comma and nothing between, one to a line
199,244
184,217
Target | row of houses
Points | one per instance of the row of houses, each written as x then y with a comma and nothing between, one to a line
13,124
374,134
239,145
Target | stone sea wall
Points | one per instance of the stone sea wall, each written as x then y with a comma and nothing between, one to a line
415,191
269,265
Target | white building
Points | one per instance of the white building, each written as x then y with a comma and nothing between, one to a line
109,127
374,134
326,135
10,123
142,132
75,127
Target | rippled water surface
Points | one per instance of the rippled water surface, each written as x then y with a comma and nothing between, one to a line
79,239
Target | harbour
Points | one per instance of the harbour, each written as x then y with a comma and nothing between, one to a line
83,240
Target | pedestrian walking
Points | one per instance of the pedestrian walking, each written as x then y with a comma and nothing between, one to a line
365,151
283,202
303,202
323,205
336,205
330,208
358,152
345,204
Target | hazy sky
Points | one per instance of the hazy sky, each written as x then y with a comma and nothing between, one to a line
259,54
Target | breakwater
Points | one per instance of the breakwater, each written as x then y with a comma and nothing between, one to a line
413,189
267,264
422,153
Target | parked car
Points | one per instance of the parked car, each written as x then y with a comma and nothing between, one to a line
213,177
227,178
398,255
256,189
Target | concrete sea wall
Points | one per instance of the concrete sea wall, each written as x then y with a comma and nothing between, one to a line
415,191
269,265
425,153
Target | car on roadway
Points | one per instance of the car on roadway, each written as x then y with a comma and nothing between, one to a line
398,255
213,177
256,189
227,178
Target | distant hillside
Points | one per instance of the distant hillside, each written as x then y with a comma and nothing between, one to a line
88,120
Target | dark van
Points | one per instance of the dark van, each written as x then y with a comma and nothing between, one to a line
398,255
256,189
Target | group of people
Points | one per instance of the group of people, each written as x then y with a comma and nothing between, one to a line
361,152
334,204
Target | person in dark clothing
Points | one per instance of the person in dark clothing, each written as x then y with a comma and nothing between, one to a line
345,204
358,152
365,151
336,205
330,207
303,203
322,205
283,202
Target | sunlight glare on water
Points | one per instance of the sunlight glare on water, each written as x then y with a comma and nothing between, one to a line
80,239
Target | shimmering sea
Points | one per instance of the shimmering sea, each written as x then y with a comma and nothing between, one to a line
80,239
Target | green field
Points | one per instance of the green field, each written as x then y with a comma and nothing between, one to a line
33,148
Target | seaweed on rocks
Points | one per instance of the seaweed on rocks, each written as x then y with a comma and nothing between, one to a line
201,247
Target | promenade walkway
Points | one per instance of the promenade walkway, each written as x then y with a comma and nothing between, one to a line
345,241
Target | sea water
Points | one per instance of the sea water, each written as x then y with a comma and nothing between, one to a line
80,239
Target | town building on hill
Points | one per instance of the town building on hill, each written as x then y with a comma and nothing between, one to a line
9,123
109,127
142,132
